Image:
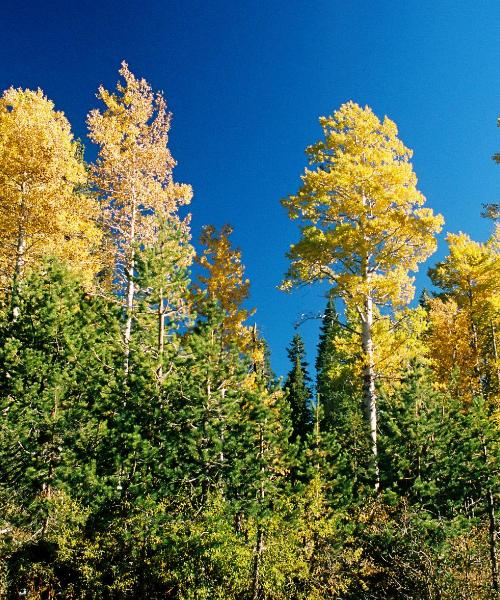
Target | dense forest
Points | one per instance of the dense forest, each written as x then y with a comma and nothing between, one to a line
147,450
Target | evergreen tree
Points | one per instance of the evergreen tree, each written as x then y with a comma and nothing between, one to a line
436,467
298,392
334,370
162,282
58,376
345,451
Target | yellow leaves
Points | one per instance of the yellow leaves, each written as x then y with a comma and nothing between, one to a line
453,357
465,324
225,282
397,342
42,210
471,271
362,213
134,165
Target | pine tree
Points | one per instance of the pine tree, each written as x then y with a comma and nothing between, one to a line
202,396
296,388
59,370
162,284
345,452
265,431
334,369
436,464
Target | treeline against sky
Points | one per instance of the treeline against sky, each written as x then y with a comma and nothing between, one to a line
146,448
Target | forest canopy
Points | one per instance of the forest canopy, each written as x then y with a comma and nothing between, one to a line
147,449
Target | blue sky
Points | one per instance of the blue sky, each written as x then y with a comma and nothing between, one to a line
247,81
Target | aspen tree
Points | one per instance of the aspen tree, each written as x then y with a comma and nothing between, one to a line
466,318
467,340
133,171
364,227
225,283
42,210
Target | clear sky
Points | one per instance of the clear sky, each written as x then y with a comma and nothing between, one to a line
246,82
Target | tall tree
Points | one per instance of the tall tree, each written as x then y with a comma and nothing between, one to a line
346,456
364,225
334,367
133,171
298,392
42,207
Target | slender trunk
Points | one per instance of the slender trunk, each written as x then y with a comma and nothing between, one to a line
495,351
493,534
20,256
490,501
316,431
477,366
259,544
129,273
161,336
369,393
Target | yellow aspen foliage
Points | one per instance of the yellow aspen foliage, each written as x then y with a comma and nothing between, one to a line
43,209
225,283
451,353
397,341
471,272
363,224
465,323
133,172
134,166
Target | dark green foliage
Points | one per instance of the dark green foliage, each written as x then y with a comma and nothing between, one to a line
346,452
335,385
297,390
58,382
196,477
433,448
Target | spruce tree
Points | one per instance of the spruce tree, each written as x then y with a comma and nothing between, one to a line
345,451
298,392
334,370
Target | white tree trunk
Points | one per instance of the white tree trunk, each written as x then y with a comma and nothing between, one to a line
20,256
129,307
161,336
259,542
369,393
